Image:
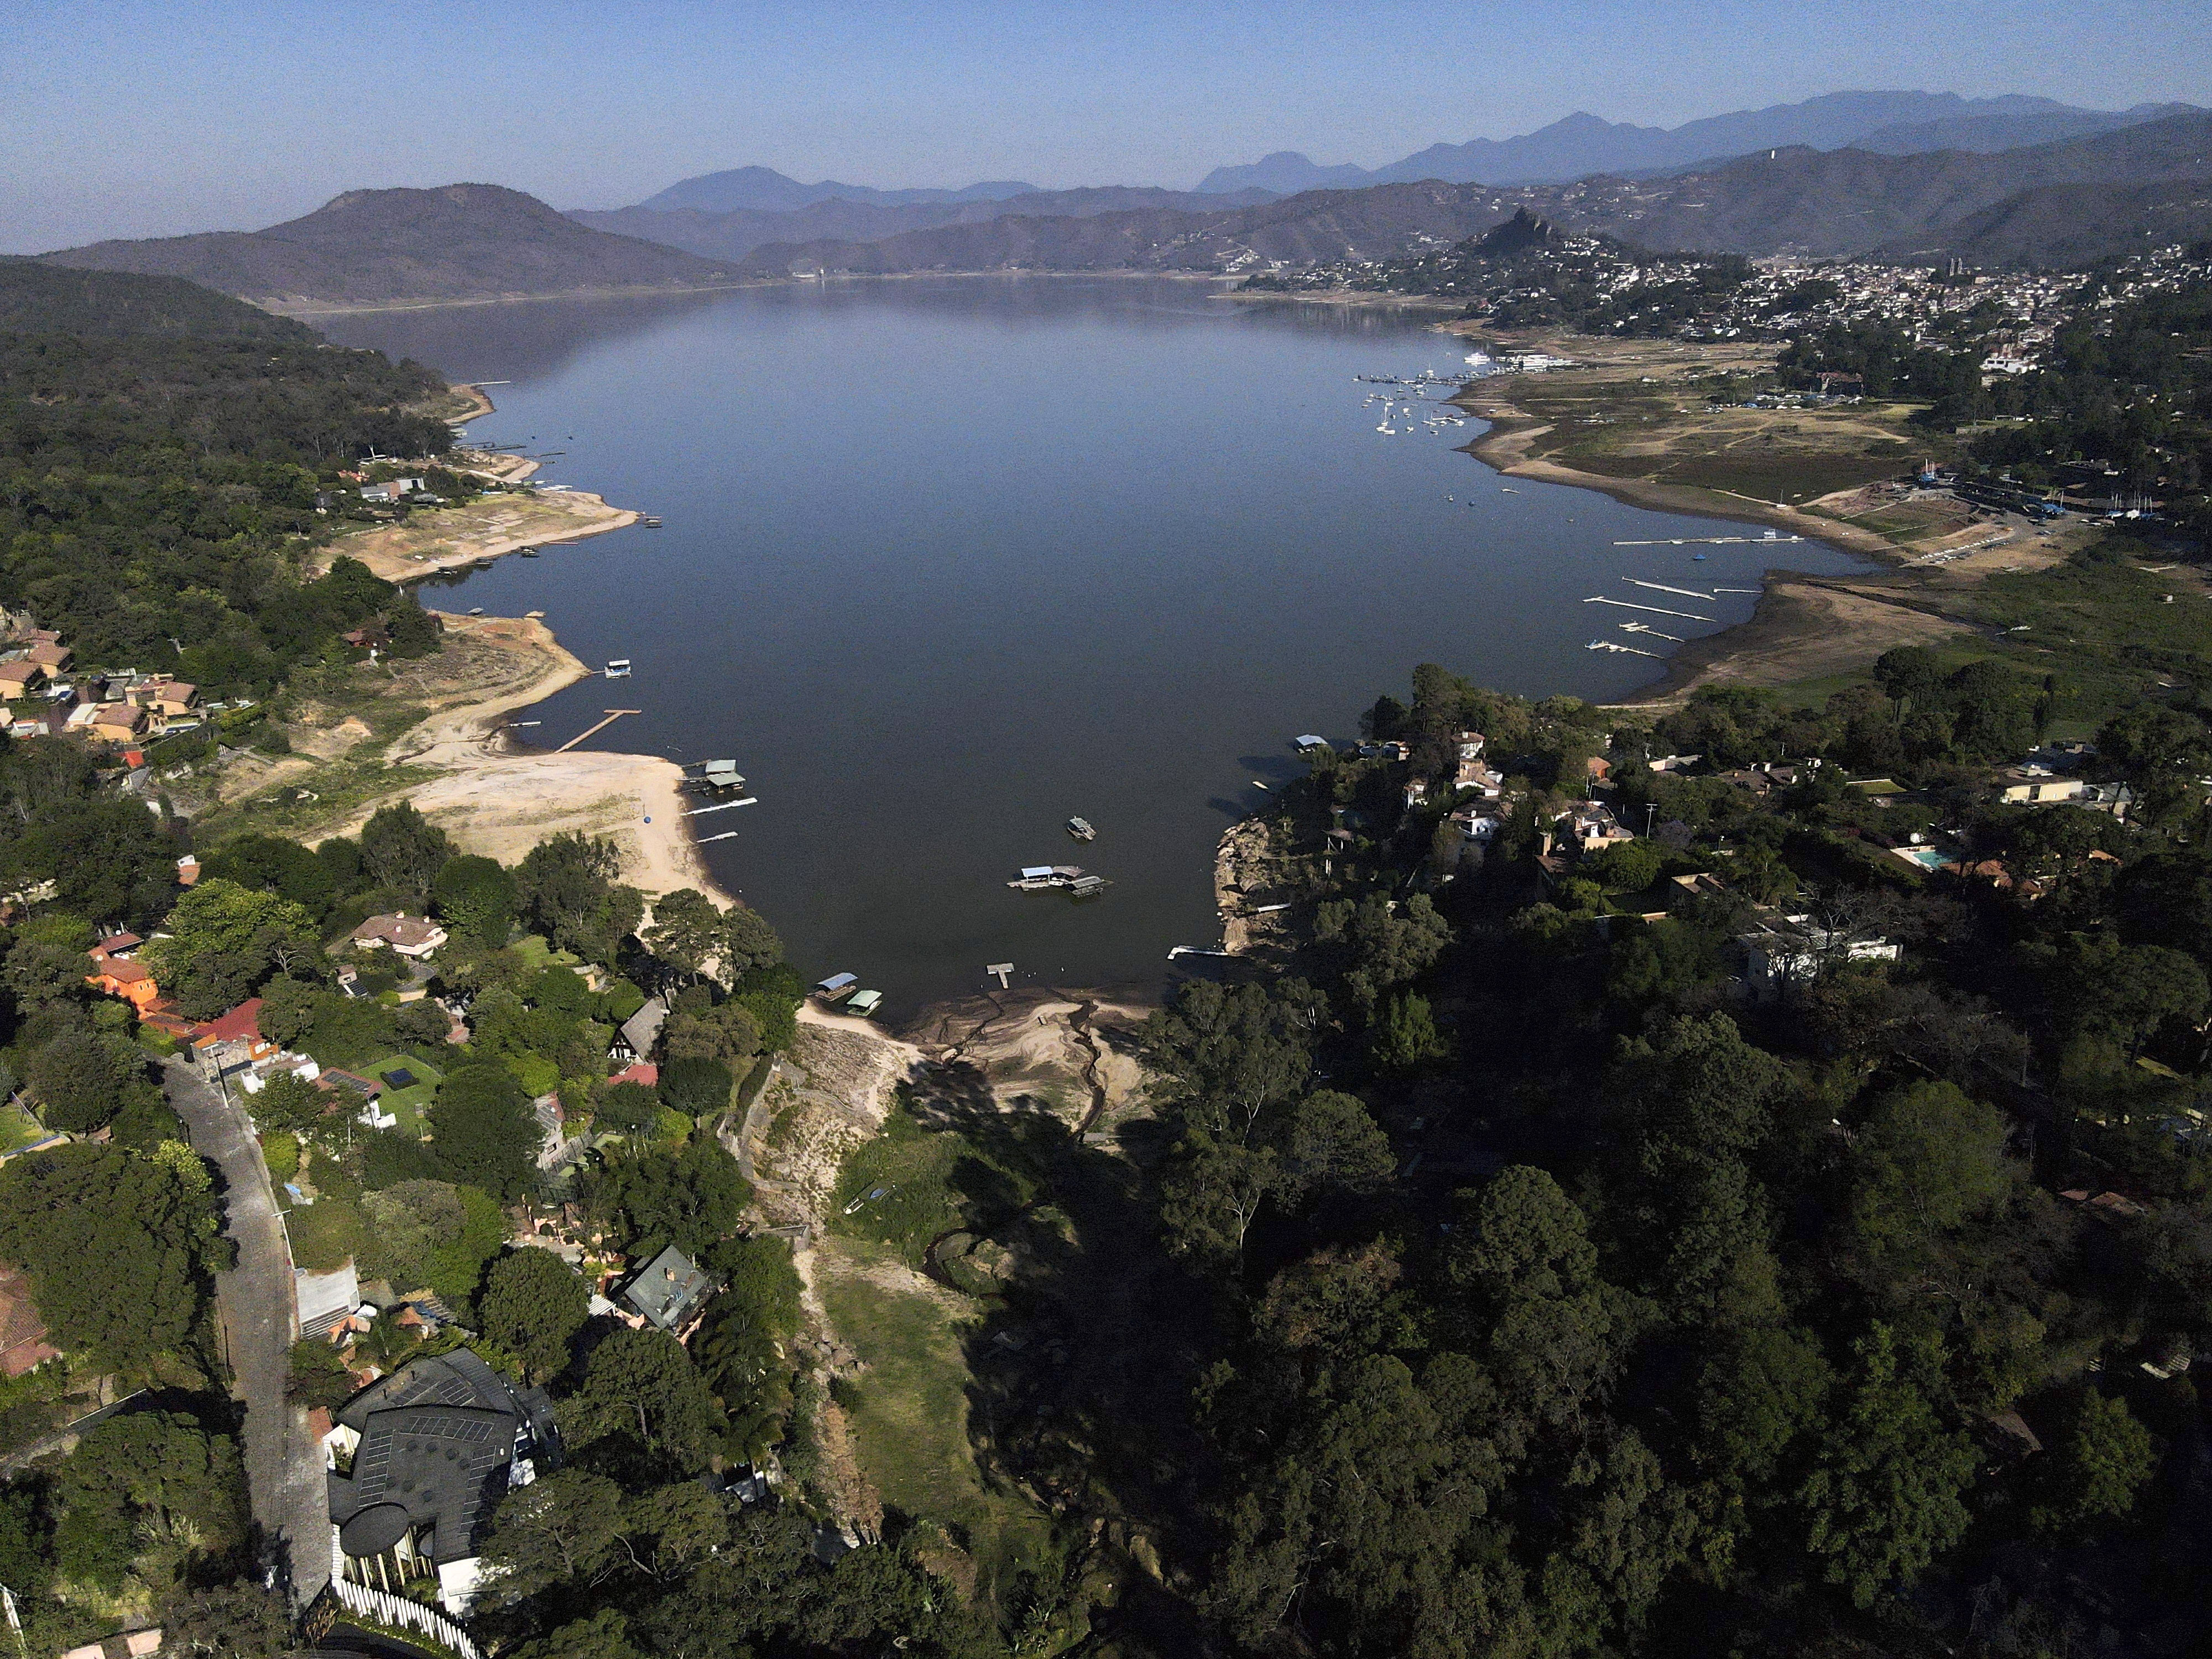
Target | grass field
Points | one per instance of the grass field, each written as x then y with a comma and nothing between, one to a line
910,1414
406,1104
903,1184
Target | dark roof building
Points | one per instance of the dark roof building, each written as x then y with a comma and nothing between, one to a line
435,1445
670,1290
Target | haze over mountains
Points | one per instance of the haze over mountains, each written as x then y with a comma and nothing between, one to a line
2079,198
1828,203
1889,123
732,234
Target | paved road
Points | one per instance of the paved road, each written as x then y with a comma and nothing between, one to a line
284,1466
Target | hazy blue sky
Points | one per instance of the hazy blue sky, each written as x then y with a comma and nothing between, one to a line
142,118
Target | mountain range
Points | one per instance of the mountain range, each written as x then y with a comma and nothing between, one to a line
455,242
1888,123
735,233
2077,198
764,190
1826,203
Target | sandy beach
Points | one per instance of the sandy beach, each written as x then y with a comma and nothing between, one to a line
499,800
454,538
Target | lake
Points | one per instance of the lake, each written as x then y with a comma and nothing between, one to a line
946,561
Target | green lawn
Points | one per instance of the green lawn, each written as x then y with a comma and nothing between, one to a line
18,1129
910,1418
537,952
406,1104
902,1182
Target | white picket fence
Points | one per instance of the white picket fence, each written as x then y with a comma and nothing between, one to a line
396,1610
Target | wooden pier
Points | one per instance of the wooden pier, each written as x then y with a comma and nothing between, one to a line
612,715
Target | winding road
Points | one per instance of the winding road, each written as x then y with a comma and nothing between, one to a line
284,1466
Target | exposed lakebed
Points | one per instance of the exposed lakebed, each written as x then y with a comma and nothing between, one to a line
946,561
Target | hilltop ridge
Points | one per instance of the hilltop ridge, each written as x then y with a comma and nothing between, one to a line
367,246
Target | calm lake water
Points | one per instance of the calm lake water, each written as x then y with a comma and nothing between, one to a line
946,561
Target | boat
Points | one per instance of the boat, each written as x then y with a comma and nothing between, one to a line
1507,489
483,564
475,610
527,552
1088,886
1257,784
617,668
652,524
1081,829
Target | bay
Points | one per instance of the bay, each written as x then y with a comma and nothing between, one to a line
947,560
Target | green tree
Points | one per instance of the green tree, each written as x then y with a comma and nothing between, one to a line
748,943
289,1105
560,1528
485,1132
1384,943
689,1197
2099,1464
1547,1325
729,1034
119,1247
1887,1492
697,1088
82,1077
1627,867
1335,1143
223,940
147,1477
628,1109
316,1375
567,891
1406,1038
403,850
227,1621
532,1306
687,931
642,1401
476,897
1929,1161
740,1346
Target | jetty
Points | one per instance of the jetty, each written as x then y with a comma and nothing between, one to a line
1771,537
612,715
1655,610
1081,829
720,806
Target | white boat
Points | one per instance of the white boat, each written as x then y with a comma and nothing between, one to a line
617,668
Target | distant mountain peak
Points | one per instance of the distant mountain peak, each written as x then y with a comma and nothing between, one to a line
1582,144
1523,231
760,189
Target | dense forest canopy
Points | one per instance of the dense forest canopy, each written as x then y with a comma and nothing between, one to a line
159,490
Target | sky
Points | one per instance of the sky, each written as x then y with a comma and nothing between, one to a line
133,118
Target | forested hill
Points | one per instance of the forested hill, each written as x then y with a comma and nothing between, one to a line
41,299
456,242
158,489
